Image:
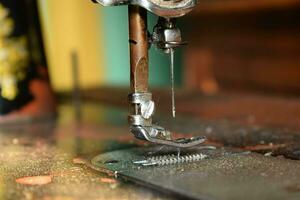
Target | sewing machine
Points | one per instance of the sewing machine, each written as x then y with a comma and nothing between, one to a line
166,37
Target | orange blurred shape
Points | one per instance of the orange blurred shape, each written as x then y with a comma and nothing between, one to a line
34,180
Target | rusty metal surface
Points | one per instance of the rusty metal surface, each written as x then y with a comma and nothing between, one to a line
138,48
47,160
224,175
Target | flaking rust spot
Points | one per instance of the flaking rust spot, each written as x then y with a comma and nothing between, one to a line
35,180
79,160
108,180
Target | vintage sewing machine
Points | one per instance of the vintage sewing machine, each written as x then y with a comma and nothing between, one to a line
166,36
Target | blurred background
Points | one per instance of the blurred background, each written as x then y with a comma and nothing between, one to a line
233,45
100,38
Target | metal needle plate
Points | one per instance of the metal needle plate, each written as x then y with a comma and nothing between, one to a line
224,174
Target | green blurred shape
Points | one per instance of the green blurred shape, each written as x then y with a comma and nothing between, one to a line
115,31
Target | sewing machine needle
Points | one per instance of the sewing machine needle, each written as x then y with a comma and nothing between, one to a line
172,80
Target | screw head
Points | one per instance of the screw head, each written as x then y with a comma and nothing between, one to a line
147,109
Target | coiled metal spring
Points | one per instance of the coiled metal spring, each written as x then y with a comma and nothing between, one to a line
171,159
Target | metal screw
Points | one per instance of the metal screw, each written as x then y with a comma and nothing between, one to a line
147,109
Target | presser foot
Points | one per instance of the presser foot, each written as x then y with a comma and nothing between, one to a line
159,135
142,127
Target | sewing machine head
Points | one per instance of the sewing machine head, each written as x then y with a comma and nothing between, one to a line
165,36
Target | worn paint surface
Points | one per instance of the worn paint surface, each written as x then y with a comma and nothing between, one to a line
225,174
46,160
61,149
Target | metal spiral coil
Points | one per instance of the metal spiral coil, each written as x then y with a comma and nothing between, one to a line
171,159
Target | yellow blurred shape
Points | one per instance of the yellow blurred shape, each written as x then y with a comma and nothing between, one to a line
68,26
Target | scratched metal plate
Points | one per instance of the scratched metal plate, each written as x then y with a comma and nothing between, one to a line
225,175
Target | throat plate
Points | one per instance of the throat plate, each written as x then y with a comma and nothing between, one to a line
224,174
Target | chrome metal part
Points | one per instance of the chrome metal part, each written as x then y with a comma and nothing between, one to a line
166,35
141,126
138,120
159,135
147,109
143,109
172,82
138,98
171,159
163,8
144,103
